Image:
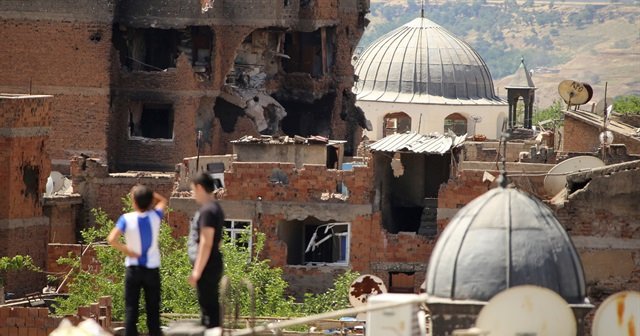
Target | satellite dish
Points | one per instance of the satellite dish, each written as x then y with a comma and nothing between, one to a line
55,183
602,106
619,314
527,310
575,93
363,287
556,178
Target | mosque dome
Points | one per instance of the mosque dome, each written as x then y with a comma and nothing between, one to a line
421,62
502,239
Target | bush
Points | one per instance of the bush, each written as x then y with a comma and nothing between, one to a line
627,105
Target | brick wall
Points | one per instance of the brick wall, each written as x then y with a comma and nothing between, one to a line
24,168
88,260
372,248
250,180
62,59
28,321
583,137
99,189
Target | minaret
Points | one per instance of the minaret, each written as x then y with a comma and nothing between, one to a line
521,87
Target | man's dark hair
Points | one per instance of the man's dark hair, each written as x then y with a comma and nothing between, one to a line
142,196
204,180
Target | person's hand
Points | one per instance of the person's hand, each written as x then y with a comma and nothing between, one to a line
193,279
132,254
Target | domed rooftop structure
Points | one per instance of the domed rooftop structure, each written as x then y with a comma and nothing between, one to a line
502,239
421,62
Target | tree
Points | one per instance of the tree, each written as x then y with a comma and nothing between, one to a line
553,112
627,105
15,263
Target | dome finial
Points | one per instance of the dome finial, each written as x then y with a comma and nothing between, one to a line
503,182
422,10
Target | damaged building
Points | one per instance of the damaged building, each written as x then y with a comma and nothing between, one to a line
136,82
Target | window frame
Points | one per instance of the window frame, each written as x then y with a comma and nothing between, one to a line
347,251
233,232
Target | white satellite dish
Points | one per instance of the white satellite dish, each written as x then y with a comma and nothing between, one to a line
527,310
363,287
55,183
603,106
619,314
556,179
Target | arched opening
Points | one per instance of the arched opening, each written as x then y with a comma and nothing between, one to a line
397,122
457,123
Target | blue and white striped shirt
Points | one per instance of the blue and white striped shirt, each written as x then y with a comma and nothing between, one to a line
141,231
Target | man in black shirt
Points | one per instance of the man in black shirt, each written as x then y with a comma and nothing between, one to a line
205,234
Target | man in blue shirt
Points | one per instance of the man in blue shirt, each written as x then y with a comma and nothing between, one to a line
141,230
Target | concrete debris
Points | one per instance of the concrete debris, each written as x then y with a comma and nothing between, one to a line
264,110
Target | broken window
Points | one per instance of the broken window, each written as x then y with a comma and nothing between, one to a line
398,122
312,53
307,118
409,201
239,231
311,242
153,49
457,123
151,120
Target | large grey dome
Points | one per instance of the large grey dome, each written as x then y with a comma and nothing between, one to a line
502,239
422,62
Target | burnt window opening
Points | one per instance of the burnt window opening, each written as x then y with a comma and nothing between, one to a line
305,3
153,49
401,282
31,181
151,120
199,47
398,122
312,53
457,123
312,242
409,201
307,118
228,114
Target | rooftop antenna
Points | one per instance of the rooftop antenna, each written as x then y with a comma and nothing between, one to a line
503,182
198,138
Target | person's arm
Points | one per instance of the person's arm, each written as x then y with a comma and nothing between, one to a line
204,252
161,202
115,242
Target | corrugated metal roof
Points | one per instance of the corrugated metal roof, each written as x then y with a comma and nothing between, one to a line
417,143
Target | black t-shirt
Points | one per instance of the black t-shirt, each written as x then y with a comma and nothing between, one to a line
209,215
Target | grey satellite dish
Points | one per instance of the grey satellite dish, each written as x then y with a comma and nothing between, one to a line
618,315
556,178
527,310
363,287
603,106
575,93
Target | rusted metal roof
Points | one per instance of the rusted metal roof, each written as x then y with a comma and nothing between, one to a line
417,143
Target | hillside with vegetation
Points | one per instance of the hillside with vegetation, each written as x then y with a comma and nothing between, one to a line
588,41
